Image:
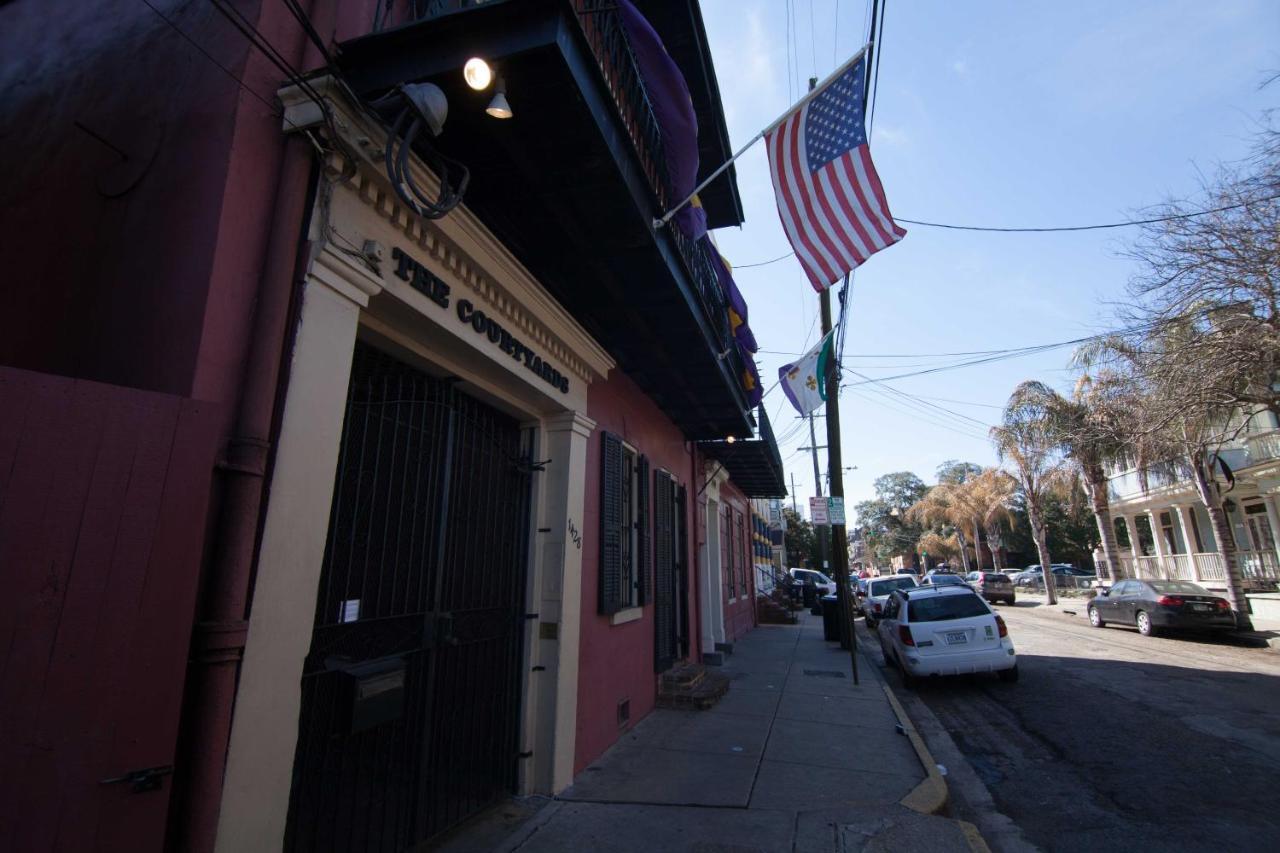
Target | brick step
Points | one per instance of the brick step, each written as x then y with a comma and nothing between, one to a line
705,694
770,612
684,677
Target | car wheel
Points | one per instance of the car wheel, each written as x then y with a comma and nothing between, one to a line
1095,618
1009,676
1145,628
908,680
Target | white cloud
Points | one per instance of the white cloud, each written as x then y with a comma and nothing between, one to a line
961,67
893,137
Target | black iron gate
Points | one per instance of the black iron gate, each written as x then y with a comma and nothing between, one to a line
411,690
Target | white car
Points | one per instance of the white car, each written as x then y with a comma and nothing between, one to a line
944,630
878,592
818,579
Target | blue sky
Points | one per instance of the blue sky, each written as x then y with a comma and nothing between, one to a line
989,113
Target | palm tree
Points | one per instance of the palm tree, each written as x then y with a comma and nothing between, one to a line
1024,441
1087,429
944,507
941,546
990,493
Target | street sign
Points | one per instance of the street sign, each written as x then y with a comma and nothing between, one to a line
818,511
835,507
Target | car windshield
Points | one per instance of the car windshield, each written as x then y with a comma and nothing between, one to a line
992,576
1182,587
943,607
940,580
885,587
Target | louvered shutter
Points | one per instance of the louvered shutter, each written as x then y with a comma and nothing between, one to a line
664,641
644,575
611,462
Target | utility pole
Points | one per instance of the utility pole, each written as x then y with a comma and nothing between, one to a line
819,531
794,506
839,538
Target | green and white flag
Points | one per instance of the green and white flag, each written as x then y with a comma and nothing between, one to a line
804,381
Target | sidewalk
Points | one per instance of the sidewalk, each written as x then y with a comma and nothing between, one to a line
794,757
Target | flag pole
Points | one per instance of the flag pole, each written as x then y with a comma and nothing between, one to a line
666,217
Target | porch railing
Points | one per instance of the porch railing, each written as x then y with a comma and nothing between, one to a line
605,33
1263,446
1255,565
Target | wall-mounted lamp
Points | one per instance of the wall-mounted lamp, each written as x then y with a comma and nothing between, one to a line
498,107
477,73
730,440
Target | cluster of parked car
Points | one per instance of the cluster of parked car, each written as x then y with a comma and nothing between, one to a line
944,623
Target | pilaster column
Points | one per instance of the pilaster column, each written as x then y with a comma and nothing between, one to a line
1188,535
553,692
1269,501
259,772
1157,537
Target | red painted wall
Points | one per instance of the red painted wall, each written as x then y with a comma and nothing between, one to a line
616,662
740,614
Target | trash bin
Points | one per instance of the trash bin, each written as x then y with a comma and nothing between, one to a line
830,618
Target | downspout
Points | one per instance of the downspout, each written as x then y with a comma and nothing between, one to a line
219,635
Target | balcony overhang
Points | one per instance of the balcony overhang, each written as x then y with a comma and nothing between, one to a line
562,186
679,23
754,465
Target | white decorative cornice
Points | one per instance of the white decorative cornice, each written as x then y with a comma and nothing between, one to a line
458,244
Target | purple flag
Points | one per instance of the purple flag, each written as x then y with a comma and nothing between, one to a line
733,298
673,109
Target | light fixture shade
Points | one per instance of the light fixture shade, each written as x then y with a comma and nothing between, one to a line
477,73
498,107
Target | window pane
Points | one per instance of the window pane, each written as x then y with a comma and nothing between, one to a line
945,607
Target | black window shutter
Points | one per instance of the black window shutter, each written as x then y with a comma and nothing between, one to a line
610,523
644,577
664,641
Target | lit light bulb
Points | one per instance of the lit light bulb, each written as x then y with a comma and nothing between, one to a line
478,74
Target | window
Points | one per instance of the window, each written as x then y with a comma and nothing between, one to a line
624,526
1177,587
944,607
1259,528
1170,536
726,552
1195,530
887,586
738,554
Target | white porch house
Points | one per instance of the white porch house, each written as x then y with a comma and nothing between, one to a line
1169,530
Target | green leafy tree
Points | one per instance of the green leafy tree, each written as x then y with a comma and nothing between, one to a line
801,541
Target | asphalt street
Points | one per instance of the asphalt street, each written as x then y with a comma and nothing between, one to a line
1111,740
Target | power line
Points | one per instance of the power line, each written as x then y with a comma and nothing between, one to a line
1015,354
1175,217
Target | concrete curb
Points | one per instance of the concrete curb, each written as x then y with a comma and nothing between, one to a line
977,843
931,795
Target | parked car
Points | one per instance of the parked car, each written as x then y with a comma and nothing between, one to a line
818,579
878,592
1064,574
938,578
993,586
1155,605
944,630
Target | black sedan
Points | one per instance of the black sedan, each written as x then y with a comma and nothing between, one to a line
1154,605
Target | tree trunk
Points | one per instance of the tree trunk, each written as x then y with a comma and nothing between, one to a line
994,543
1106,527
1040,534
1211,496
964,550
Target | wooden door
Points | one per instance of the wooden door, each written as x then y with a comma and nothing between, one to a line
103,503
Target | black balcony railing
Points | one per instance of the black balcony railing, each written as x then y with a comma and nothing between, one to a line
607,37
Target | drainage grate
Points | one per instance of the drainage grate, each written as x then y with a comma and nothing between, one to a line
825,673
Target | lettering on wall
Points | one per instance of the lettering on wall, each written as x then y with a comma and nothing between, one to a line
575,535
430,285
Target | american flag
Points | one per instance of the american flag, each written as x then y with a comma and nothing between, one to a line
829,195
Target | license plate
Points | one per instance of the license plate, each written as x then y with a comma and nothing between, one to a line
1200,607
955,638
